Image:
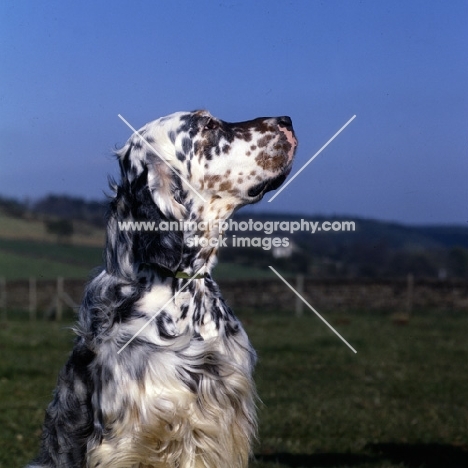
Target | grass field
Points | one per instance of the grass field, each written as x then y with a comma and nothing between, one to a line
27,250
35,230
401,401
21,258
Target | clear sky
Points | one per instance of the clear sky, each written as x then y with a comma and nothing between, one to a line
68,68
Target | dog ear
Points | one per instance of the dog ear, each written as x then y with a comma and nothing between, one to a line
153,245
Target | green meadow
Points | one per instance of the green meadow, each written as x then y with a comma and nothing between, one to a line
26,250
399,402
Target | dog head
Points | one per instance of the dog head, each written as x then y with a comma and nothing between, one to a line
193,166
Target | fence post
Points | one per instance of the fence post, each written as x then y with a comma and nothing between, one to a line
300,290
32,298
59,305
3,298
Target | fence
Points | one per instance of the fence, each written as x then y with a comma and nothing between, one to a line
49,299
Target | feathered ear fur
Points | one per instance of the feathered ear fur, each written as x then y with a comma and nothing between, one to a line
149,192
163,248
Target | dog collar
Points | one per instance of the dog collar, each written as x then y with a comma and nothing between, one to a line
183,275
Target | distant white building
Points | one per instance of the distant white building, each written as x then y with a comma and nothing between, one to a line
283,252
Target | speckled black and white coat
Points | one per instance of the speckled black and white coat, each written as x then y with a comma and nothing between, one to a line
180,394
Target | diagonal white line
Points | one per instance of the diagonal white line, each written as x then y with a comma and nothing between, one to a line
161,308
312,309
312,158
162,159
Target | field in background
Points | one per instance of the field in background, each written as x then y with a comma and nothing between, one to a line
400,402
26,250
35,230
22,259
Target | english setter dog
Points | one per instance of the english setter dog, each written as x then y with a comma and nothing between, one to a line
160,375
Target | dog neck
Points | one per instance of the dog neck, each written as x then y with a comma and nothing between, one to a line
203,238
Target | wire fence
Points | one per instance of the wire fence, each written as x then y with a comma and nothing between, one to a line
51,299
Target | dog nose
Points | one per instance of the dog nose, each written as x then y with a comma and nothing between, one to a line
285,121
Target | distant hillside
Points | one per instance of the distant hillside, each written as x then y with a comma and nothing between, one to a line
34,228
23,259
393,235
374,249
64,206
28,249
59,206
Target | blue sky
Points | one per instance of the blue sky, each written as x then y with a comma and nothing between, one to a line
68,68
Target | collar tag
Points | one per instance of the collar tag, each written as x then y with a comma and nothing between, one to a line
182,275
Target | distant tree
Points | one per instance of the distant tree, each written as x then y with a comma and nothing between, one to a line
13,207
420,264
62,228
67,207
458,262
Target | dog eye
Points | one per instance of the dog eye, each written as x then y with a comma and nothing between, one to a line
211,125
